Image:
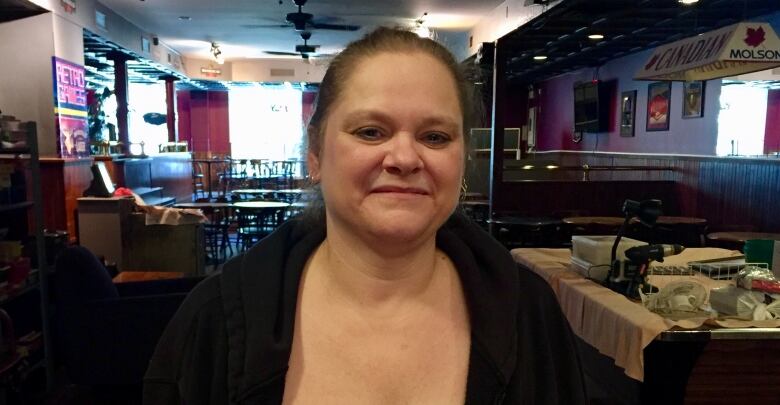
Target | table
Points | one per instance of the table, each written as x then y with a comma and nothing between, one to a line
742,236
736,240
286,194
686,231
208,163
631,355
515,231
259,204
129,276
203,205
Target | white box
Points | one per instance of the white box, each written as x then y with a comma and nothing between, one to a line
597,249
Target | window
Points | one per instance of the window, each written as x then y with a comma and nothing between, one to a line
266,123
143,99
742,120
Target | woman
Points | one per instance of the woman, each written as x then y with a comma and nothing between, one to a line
390,298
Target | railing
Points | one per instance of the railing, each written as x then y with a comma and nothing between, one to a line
586,169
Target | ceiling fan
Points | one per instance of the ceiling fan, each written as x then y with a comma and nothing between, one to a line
304,50
303,21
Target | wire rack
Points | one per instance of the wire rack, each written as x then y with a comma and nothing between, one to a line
722,270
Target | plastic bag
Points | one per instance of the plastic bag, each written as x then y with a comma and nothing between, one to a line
758,278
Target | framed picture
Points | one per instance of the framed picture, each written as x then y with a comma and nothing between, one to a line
658,105
693,99
627,112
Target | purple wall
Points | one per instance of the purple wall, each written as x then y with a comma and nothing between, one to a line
697,136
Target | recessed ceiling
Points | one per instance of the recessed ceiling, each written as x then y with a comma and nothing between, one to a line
247,28
15,9
628,26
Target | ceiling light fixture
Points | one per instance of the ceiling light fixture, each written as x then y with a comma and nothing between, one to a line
420,29
687,2
217,53
596,37
540,57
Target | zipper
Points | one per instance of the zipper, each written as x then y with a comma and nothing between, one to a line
500,397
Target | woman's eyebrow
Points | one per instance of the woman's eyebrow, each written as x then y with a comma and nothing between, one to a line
434,120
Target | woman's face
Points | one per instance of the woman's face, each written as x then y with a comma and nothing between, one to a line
392,153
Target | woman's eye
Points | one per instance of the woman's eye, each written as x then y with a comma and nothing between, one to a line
369,134
436,138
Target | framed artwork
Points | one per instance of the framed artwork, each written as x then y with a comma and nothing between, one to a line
627,112
693,99
658,104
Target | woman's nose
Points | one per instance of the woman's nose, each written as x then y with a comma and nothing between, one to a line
402,156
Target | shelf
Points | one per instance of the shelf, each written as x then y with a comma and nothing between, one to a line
15,206
7,295
15,151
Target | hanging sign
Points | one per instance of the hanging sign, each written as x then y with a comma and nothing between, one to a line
737,49
70,108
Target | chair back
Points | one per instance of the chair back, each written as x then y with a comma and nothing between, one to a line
80,278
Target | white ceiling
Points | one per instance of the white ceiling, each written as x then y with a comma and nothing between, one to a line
233,23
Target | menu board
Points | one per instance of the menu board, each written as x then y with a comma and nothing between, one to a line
70,108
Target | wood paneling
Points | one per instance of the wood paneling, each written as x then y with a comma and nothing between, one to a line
63,182
598,198
173,172
713,380
728,192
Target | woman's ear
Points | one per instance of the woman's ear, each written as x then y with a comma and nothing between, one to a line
313,163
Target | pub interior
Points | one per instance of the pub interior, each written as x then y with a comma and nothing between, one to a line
143,146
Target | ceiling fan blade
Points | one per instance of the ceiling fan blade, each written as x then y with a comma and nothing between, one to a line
334,27
282,53
255,26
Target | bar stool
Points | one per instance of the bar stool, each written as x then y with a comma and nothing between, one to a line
198,187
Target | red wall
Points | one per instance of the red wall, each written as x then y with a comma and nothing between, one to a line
204,120
308,98
697,136
772,134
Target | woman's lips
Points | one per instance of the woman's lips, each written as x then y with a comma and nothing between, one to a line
400,190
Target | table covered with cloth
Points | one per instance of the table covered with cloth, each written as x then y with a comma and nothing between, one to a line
610,322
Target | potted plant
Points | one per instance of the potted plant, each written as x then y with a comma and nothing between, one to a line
97,122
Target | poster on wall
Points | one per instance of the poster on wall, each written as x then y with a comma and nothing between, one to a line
658,100
70,108
693,99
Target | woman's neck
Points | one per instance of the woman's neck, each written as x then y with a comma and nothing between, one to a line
377,275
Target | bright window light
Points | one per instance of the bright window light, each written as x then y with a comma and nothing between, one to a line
742,120
266,123
146,98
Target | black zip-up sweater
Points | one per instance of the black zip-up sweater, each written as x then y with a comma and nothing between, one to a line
230,341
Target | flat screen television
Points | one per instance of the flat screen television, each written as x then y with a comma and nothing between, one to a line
591,107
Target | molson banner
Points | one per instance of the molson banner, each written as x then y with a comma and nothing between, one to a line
733,50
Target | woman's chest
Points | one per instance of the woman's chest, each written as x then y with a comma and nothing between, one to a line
426,364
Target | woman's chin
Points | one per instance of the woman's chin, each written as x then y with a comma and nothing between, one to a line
403,227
